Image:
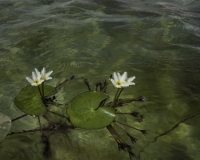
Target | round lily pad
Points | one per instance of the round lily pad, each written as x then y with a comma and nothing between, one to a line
5,124
84,110
29,100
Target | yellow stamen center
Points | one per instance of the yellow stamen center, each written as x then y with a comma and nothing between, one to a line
119,83
36,81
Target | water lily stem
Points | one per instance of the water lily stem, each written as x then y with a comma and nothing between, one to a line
128,126
47,119
119,93
133,139
118,125
40,124
19,117
114,134
50,128
114,101
40,91
43,89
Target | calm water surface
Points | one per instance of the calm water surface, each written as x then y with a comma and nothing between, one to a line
156,41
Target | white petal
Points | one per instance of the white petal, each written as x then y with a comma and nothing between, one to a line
118,86
29,80
113,82
125,84
34,84
115,76
48,73
48,78
119,75
131,79
33,76
37,72
124,76
131,83
43,72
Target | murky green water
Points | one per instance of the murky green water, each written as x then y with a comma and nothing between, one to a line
157,41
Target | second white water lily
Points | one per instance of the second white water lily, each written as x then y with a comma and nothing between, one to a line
121,81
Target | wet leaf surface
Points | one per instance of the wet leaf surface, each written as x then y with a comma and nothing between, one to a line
84,112
29,100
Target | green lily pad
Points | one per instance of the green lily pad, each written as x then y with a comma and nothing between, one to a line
84,112
29,100
5,124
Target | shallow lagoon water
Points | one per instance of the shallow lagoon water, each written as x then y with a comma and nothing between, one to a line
156,41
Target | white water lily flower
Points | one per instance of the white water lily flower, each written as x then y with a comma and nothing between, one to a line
119,81
36,79
45,76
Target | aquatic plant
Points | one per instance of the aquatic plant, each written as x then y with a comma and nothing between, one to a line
87,110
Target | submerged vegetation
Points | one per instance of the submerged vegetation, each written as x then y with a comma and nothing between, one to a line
87,110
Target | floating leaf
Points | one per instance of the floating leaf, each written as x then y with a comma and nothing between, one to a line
29,100
5,124
84,112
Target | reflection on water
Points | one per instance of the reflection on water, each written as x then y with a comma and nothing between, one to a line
158,42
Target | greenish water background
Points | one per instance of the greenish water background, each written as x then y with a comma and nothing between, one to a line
156,41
